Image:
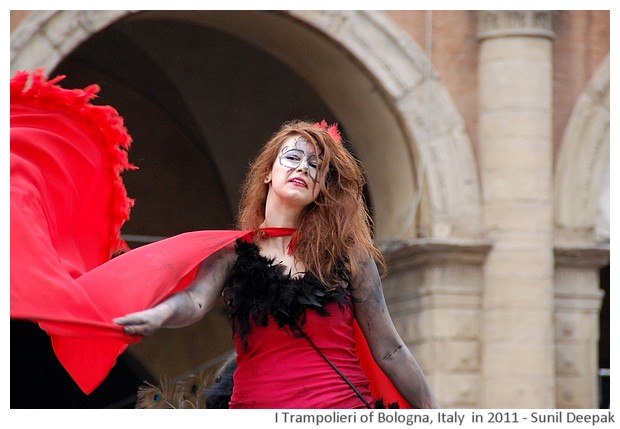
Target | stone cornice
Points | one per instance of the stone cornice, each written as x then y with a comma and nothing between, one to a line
580,256
406,254
504,23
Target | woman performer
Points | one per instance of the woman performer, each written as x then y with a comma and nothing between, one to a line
298,286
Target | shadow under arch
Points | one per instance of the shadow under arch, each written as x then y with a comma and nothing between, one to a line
372,76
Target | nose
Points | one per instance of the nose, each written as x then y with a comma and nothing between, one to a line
303,165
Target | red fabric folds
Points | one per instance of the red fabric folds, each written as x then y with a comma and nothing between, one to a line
89,343
67,206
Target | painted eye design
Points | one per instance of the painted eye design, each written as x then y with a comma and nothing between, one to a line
313,163
290,160
293,158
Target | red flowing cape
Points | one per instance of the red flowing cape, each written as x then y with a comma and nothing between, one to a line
68,204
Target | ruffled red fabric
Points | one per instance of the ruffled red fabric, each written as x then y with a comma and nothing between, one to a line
68,201
68,204
52,128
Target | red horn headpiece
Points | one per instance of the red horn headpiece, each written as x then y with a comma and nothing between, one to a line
331,129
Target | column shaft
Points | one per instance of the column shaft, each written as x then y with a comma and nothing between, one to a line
515,67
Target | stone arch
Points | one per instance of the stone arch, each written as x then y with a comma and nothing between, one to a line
403,122
581,285
582,172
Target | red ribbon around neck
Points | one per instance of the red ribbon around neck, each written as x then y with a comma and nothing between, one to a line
275,231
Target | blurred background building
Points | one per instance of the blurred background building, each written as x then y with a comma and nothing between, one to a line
484,136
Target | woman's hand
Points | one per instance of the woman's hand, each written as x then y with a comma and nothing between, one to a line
145,322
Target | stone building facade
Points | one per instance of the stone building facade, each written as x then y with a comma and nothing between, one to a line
484,136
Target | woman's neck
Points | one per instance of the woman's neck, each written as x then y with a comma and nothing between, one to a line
283,216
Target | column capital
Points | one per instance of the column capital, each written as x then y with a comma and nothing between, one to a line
506,23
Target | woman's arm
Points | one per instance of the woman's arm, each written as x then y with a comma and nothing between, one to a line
188,306
388,349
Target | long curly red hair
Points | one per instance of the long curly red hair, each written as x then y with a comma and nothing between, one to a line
337,225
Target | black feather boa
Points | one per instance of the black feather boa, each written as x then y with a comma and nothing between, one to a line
259,289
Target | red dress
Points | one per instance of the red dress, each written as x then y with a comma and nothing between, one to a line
279,370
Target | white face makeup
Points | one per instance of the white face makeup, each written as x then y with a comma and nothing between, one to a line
300,154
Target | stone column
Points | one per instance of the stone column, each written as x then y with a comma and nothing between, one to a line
515,77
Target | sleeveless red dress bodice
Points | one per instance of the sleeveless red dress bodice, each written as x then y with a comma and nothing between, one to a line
279,370
276,366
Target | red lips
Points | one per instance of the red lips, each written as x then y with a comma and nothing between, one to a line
299,181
